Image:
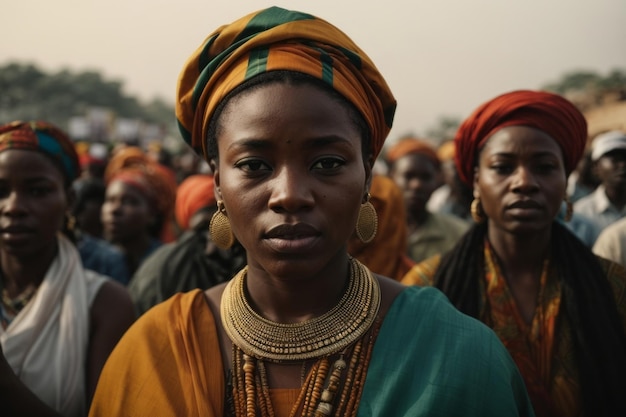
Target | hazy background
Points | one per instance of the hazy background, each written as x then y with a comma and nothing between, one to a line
440,57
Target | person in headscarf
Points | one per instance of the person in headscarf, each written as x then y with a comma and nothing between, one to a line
58,320
138,205
454,196
386,253
291,115
193,261
560,310
415,167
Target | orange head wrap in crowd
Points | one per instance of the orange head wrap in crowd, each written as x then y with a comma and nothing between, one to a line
132,166
548,112
412,146
194,193
278,39
445,152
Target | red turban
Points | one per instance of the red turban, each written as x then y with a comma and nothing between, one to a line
548,112
412,146
194,193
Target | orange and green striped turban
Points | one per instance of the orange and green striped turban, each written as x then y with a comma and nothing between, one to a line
278,39
42,137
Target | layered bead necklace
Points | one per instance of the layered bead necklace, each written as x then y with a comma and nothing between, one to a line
344,336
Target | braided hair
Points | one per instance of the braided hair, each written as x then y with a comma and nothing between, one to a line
597,330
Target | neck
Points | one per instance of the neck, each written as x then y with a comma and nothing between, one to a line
134,249
616,195
416,218
523,253
293,300
19,273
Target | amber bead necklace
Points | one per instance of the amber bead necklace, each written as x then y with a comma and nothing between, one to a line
340,341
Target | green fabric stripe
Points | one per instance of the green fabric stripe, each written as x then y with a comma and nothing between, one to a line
267,19
257,63
352,56
327,67
270,18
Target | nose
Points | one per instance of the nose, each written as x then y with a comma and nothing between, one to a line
291,190
524,181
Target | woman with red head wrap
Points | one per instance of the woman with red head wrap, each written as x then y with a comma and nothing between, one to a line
559,310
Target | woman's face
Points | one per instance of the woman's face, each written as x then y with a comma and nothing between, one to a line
417,176
291,175
126,213
33,202
520,179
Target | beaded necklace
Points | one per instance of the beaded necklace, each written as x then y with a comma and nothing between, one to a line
314,338
10,307
344,337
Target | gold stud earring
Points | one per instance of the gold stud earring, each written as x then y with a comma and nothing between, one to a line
476,209
220,229
367,223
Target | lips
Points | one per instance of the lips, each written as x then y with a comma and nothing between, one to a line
287,238
525,204
16,229
292,232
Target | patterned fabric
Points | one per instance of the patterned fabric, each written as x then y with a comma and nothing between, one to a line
43,137
553,387
548,112
279,39
543,350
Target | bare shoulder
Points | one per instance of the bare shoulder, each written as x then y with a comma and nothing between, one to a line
112,303
389,290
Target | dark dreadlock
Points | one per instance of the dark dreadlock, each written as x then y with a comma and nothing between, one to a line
588,302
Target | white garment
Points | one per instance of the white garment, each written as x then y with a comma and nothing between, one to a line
46,343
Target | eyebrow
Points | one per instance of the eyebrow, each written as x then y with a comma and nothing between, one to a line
317,142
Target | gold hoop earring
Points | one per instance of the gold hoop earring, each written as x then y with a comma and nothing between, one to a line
476,209
569,209
220,229
367,223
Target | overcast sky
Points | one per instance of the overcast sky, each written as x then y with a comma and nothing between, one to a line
440,57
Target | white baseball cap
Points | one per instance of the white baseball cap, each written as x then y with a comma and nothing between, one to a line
607,142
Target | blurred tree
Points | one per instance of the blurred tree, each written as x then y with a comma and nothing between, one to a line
445,129
30,93
589,89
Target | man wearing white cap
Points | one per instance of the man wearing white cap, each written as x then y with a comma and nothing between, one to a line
607,203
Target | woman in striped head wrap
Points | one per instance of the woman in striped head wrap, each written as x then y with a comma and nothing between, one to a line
291,114
57,321
559,310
